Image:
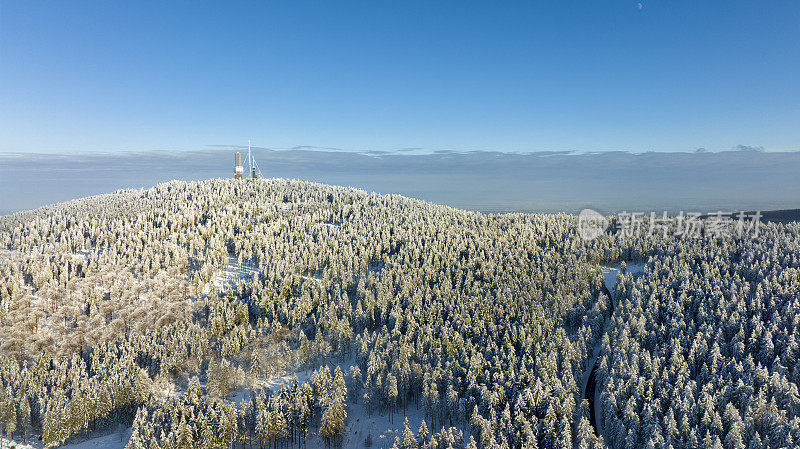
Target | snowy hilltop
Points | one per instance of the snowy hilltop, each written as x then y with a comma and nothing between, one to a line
229,313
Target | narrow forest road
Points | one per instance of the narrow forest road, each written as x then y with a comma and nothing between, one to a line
590,391
590,386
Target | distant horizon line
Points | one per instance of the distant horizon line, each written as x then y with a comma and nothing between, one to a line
396,152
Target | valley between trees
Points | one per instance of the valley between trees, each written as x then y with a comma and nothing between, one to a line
276,313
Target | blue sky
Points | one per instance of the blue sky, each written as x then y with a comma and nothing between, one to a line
528,76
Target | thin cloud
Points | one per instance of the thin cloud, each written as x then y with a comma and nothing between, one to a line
541,181
748,148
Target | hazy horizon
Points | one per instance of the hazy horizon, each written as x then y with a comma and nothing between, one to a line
746,179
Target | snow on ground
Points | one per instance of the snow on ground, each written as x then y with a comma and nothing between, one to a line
610,273
239,395
378,426
233,274
114,440
4,443
360,423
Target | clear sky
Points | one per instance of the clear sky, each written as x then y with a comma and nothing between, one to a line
529,76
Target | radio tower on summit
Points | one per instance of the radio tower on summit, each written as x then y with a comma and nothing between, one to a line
252,166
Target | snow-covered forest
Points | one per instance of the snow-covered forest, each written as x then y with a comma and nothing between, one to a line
276,313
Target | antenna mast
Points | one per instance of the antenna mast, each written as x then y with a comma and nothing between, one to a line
238,170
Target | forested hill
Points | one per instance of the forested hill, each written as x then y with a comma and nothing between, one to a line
176,310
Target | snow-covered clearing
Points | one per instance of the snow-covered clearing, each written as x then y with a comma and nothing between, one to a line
233,274
114,440
377,424
243,394
610,273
